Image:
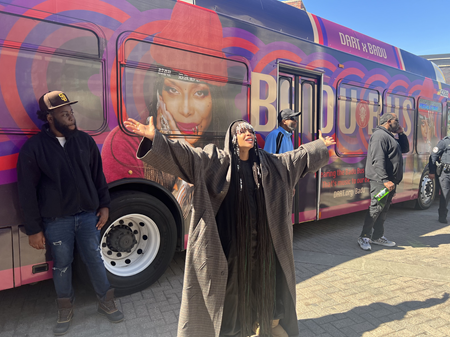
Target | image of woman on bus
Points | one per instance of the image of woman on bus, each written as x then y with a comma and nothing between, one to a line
186,107
427,134
187,97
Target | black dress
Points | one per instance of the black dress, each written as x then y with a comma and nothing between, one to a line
226,220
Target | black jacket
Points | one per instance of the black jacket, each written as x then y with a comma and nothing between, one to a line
442,151
384,156
56,181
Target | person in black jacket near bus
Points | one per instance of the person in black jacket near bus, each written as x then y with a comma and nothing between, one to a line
384,168
65,200
440,155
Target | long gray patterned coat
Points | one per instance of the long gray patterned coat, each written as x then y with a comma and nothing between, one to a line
206,268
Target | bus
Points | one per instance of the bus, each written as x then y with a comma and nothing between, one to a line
196,67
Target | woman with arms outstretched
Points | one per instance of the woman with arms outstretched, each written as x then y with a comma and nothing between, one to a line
239,276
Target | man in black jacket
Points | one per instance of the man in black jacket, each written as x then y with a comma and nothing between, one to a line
441,155
65,200
384,168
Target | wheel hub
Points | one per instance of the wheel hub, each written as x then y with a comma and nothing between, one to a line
121,239
427,189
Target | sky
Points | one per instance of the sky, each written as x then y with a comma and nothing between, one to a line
421,27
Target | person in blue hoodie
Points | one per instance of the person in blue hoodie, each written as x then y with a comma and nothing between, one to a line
280,139
384,168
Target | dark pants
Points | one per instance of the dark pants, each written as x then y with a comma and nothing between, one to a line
61,234
444,182
376,215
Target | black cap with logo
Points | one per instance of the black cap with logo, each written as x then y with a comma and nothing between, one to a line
54,99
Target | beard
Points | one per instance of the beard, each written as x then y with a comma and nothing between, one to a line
64,129
393,128
291,126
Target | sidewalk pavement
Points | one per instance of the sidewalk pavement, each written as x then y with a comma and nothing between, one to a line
341,289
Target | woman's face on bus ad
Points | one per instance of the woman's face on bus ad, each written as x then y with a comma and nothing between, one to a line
426,130
190,105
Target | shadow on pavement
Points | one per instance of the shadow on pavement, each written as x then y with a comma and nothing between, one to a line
428,241
374,315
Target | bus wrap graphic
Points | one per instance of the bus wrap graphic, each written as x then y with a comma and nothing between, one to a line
195,69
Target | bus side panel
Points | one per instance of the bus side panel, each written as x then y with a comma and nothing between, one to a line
29,258
17,257
6,259
10,219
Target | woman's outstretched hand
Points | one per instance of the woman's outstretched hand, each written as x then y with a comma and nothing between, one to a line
327,140
147,131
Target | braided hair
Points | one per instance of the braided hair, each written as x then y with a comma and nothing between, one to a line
257,304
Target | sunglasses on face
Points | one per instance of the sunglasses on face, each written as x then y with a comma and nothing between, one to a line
291,119
242,128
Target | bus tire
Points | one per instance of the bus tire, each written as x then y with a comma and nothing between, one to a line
427,191
137,243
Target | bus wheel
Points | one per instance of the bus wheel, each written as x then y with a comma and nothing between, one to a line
427,191
138,242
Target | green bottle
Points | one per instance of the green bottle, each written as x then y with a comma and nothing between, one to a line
380,195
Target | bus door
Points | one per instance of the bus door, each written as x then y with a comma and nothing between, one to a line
299,92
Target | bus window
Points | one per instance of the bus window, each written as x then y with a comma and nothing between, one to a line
285,95
29,33
171,85
404,108
81,80
308,99
50,57
358,112
428,125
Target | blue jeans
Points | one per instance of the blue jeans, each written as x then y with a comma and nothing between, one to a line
61,234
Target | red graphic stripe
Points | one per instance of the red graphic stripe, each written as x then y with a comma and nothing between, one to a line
377,77
56,6
398,83
273,56
321,64
346,72
240,43
399,57
8,162
319,29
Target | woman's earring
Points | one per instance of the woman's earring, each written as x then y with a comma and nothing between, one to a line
164,125
165,128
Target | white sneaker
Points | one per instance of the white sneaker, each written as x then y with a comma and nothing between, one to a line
364,243
384,242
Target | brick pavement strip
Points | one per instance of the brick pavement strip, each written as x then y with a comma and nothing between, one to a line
342,291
